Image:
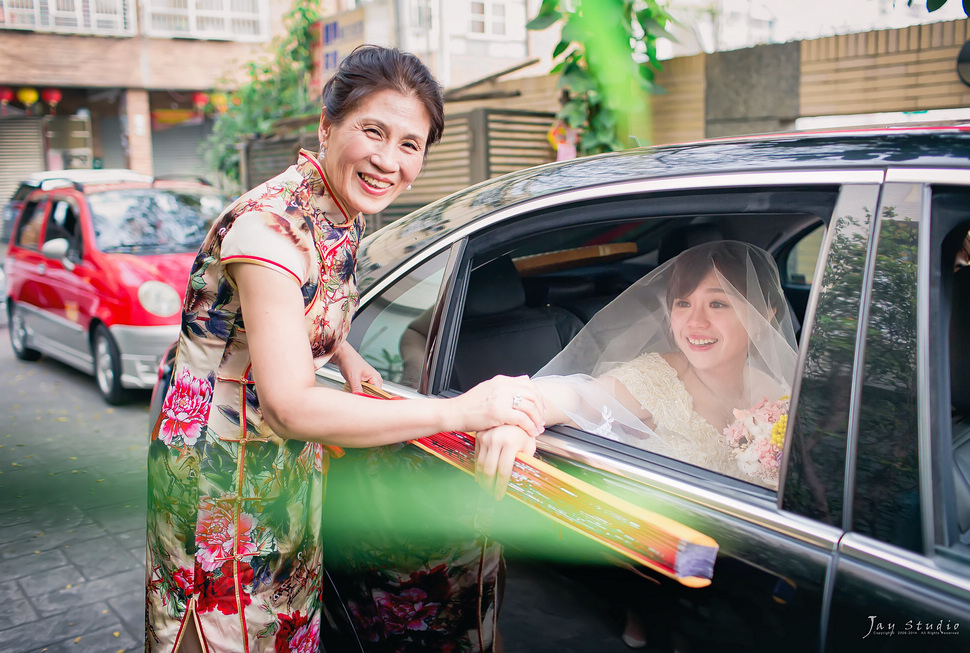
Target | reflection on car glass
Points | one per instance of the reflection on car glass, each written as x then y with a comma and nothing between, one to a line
152,219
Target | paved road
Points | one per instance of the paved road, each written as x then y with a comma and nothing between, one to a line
72,529
72,518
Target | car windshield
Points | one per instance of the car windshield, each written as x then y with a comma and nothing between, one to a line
152,220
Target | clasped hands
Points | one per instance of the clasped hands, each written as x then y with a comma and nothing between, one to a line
505,413
522,418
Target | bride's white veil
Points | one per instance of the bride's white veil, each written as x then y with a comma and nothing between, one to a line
637,322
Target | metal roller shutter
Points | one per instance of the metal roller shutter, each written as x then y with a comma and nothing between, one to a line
21,152
177,150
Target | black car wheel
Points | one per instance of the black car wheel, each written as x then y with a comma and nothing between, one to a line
107,366
18,335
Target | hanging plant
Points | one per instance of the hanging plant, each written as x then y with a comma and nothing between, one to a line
277,89
606,59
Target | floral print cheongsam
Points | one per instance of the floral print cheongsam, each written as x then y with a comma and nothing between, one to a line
234,510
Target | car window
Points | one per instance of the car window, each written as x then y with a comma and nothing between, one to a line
528,297
391,332
886,504
28,231
803,258
63,223
949,347
818,425
153,219
22,192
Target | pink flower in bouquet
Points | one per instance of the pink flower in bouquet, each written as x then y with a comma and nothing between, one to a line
735,431
756,438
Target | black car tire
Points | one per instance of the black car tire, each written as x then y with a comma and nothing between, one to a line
18,335
107,366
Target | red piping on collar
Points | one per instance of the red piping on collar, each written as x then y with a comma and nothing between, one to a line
326,184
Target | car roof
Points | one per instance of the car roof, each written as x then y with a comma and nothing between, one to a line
87,176
939,147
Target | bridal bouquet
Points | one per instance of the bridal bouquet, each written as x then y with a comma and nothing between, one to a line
756,437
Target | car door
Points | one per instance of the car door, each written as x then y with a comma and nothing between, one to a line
68,282
901,579
29,286
773,558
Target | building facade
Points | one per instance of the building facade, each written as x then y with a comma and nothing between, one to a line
461,41
131,83
120,83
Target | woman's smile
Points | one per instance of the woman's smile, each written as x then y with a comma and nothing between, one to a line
697,341
374,183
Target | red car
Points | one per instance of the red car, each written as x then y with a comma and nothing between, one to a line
96,274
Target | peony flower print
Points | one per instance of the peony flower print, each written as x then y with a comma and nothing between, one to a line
186,409
218,590
216,532
184,579
410,610
297,634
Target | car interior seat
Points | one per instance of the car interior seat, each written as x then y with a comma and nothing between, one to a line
500,334
960,395
679,239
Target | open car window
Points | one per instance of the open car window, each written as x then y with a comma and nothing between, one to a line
529,292
391,333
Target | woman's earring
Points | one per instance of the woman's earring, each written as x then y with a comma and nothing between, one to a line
409,187
323,151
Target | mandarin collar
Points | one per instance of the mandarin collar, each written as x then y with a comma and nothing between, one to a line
323,196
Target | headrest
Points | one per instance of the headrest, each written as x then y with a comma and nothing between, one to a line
680,239
494,288
960,341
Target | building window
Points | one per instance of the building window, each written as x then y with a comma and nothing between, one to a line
105,17
230,20
488,17
421,14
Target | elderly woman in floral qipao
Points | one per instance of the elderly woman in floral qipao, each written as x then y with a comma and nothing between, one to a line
239,453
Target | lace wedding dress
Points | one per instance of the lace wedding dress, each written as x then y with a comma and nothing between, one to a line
679,431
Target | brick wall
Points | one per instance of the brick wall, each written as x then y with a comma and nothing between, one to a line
910,69
38,59
678,114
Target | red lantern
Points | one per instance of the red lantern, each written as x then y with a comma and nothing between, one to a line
6,95
51,96
200,99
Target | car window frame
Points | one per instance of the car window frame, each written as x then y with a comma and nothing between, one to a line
32,203
76,241
587,447
941,532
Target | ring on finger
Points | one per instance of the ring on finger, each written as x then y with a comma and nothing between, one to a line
516,400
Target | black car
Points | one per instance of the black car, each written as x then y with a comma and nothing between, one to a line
865,545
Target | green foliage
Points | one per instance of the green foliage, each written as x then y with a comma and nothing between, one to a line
933,5
277,89
606,58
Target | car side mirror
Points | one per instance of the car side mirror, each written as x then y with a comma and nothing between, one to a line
58,248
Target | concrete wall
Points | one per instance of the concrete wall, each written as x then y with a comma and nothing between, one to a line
751,90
